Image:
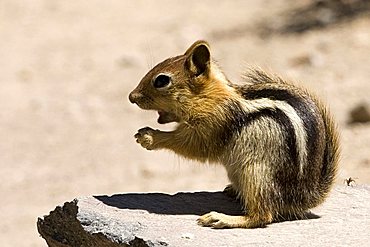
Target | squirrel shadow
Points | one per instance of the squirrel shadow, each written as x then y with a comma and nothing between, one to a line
183,203
193,203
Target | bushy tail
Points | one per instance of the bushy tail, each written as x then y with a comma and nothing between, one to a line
331,153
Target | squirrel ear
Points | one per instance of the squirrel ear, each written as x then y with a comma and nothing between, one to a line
198,58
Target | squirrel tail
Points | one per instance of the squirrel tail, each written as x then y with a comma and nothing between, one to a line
331,153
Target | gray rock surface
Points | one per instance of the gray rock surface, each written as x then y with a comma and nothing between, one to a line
157,219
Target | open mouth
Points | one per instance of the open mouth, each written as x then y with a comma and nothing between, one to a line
166,117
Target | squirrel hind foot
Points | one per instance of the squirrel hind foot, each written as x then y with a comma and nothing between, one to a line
231,192
219,220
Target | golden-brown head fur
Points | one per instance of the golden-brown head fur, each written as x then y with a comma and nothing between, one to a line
195,83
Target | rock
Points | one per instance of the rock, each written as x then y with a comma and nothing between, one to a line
314,14
360,114
157,219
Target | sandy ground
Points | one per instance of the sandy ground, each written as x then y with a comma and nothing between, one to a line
66,70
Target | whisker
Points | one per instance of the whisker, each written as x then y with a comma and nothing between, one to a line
149,59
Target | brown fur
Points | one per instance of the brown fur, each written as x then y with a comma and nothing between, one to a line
261,132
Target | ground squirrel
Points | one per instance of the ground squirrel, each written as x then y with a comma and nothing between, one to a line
277,142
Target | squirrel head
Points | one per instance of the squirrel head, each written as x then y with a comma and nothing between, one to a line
176,86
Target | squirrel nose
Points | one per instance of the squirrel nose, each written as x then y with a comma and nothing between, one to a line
133,97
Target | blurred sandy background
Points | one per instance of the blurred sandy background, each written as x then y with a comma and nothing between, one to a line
66,68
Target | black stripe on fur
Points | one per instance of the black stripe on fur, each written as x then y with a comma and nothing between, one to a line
304,109
240,119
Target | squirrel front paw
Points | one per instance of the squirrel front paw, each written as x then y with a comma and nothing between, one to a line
145,138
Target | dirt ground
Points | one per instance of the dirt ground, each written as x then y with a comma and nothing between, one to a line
67,67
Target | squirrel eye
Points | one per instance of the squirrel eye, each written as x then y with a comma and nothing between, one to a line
161,81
